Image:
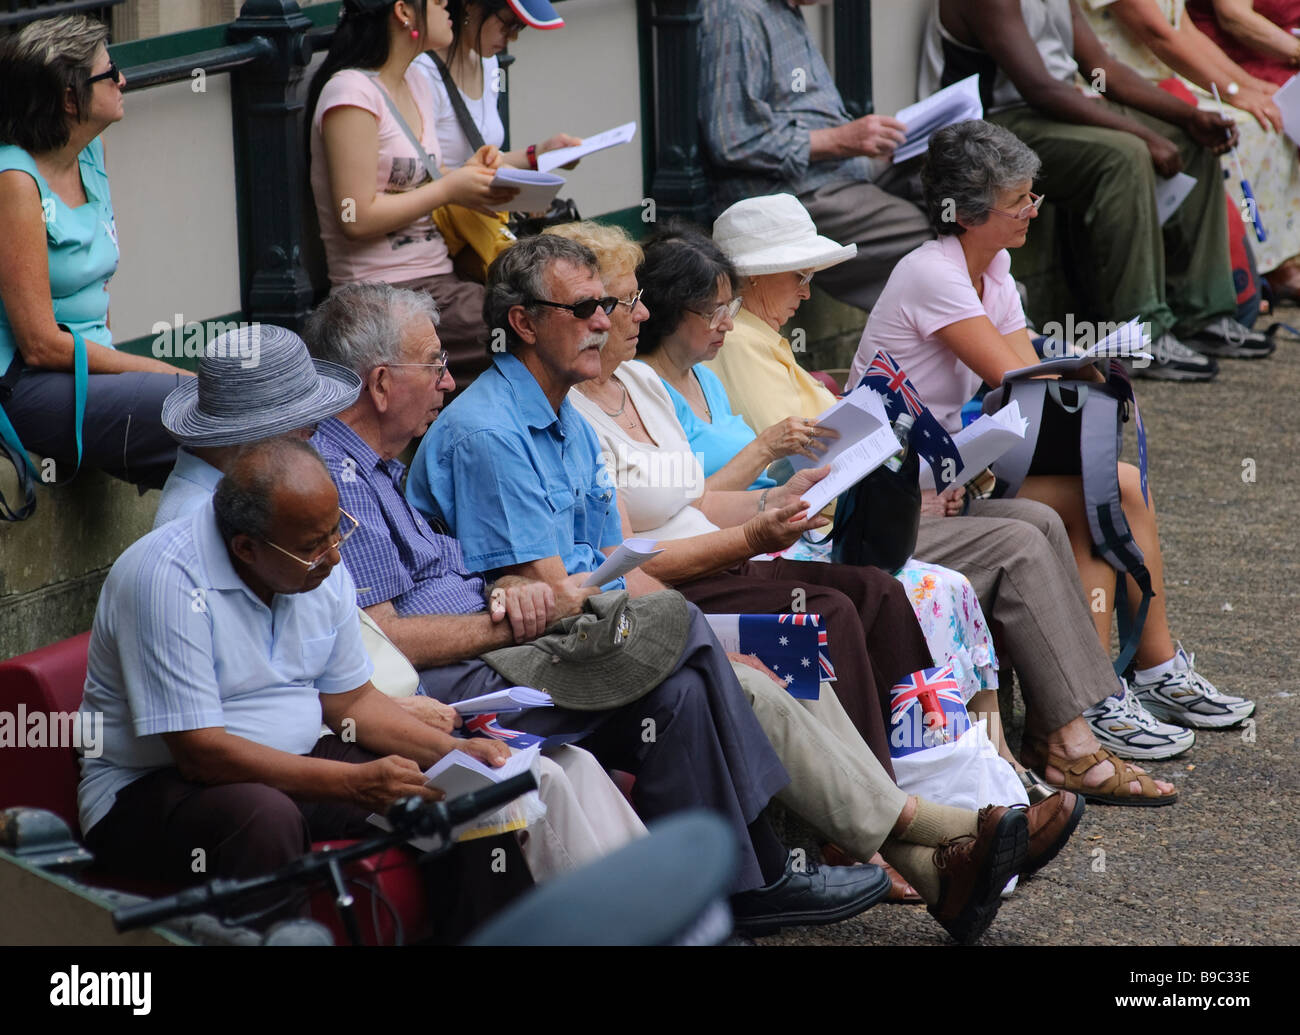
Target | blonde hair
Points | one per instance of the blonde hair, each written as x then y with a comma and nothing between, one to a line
616,252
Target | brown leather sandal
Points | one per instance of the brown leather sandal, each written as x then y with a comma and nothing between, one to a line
1114,791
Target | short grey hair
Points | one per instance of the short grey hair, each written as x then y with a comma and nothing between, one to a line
243,498
360,326
518,275
967,165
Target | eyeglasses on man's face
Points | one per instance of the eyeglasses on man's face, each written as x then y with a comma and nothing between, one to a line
583,310
1034,201
805,277
114,74
439,366
320,558
724,311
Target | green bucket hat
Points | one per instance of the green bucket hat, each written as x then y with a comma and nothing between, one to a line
612,653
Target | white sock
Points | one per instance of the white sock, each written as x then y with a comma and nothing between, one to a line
1151,675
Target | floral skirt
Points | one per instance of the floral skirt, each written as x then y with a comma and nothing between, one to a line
949,613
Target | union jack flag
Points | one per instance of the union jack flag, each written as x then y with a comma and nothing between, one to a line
924,693
937,684
486,725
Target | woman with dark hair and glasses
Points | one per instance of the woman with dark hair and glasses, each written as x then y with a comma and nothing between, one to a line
59,91
374,194
482,29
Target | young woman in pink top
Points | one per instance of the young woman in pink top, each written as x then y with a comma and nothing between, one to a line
374,196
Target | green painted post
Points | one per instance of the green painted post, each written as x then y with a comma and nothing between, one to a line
680,183
853,55
271,164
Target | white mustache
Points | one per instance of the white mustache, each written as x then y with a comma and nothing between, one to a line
596,341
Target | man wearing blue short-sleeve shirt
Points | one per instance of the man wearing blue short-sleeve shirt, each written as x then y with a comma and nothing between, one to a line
220,644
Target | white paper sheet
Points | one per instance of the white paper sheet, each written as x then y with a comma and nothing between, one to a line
458,773
512,698
857,415
955,103
1128,341
1287,98
851,466
983,441
536,189
564,155
1170,193
631,553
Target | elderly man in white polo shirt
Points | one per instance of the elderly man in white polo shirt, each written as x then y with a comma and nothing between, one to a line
220,643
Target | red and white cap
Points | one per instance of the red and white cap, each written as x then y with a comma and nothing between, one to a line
536,14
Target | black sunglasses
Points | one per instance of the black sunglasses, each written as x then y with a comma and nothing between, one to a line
582,310
113,73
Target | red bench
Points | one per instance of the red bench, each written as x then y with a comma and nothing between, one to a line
52,679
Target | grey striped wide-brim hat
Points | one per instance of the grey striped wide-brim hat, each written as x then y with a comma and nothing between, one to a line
256,382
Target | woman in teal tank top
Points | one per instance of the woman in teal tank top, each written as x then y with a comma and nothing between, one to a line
58,92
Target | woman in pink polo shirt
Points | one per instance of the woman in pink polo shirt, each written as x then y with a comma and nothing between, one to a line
951,316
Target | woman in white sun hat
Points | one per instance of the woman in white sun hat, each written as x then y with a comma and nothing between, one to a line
776,249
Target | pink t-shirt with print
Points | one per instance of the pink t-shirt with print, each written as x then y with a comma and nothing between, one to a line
929,289
413,251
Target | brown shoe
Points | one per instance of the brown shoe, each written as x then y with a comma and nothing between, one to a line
974,870
1051,823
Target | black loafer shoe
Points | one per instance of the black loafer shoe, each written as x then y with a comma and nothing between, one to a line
817,895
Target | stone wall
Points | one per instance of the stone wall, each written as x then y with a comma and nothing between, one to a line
53,564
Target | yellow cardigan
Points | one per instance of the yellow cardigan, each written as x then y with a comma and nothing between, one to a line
763,381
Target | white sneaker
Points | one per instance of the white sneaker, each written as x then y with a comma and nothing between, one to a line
1123,725
1187,698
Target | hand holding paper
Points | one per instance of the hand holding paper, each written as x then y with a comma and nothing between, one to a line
536,189
955,103
564,155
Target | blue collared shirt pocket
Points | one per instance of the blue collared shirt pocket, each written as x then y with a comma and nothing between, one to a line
593,517
314,656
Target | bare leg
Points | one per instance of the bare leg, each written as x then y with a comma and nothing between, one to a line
984,705
1064,494
1156,645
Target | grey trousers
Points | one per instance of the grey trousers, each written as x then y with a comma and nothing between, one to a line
1017,556
874,216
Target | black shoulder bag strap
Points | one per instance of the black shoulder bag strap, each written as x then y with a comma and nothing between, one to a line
467,124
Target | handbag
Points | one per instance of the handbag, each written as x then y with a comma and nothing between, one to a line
473,238
877,520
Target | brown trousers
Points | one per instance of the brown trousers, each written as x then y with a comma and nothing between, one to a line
245,829
873,637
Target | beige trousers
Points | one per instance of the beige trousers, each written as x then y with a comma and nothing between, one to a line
836,785
586,815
